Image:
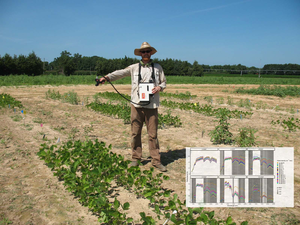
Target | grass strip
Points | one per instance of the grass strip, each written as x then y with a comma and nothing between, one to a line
21,80
271,90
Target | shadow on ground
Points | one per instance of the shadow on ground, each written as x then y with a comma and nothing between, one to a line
172,155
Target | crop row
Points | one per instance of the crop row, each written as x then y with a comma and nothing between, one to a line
91,172
206,109
122,111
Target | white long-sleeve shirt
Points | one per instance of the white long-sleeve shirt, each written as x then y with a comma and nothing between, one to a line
146,75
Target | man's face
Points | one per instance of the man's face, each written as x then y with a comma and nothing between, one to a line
146,54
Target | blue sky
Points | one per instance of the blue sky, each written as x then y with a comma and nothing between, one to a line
212,32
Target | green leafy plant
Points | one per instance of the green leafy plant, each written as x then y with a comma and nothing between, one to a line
290,124
148,220
71,97
53,95
7,100
221,133
168,120
246,137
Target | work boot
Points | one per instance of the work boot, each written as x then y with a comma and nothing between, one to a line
161,167
134,163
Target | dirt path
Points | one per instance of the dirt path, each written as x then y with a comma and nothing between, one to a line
30,194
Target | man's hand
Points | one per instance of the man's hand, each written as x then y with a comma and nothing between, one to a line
102,79
156,89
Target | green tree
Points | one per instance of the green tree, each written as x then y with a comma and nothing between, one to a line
65,64
101,67
185,68
31,65
77,58
34,65
22,64
197,69
9,65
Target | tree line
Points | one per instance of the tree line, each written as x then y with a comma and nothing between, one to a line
278,69
281,69
30,65
68,64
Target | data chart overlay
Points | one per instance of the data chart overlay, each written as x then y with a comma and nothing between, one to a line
240,177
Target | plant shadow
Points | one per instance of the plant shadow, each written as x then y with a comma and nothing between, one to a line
167,157
172,155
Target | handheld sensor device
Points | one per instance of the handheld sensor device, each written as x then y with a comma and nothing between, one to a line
145,91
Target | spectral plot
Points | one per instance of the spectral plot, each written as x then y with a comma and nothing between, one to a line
240,177
206,163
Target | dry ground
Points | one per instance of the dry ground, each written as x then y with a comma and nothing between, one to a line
30,194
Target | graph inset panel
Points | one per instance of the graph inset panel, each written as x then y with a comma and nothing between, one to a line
206,163
232,190
240,177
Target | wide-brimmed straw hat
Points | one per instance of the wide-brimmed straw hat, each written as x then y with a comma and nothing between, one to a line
145,45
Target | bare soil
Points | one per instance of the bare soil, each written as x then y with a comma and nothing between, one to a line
30,194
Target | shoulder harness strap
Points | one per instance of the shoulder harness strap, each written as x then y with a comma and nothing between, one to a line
140,76
153,76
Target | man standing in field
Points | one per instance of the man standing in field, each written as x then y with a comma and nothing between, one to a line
144,71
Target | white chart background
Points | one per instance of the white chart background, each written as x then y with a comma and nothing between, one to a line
281,185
